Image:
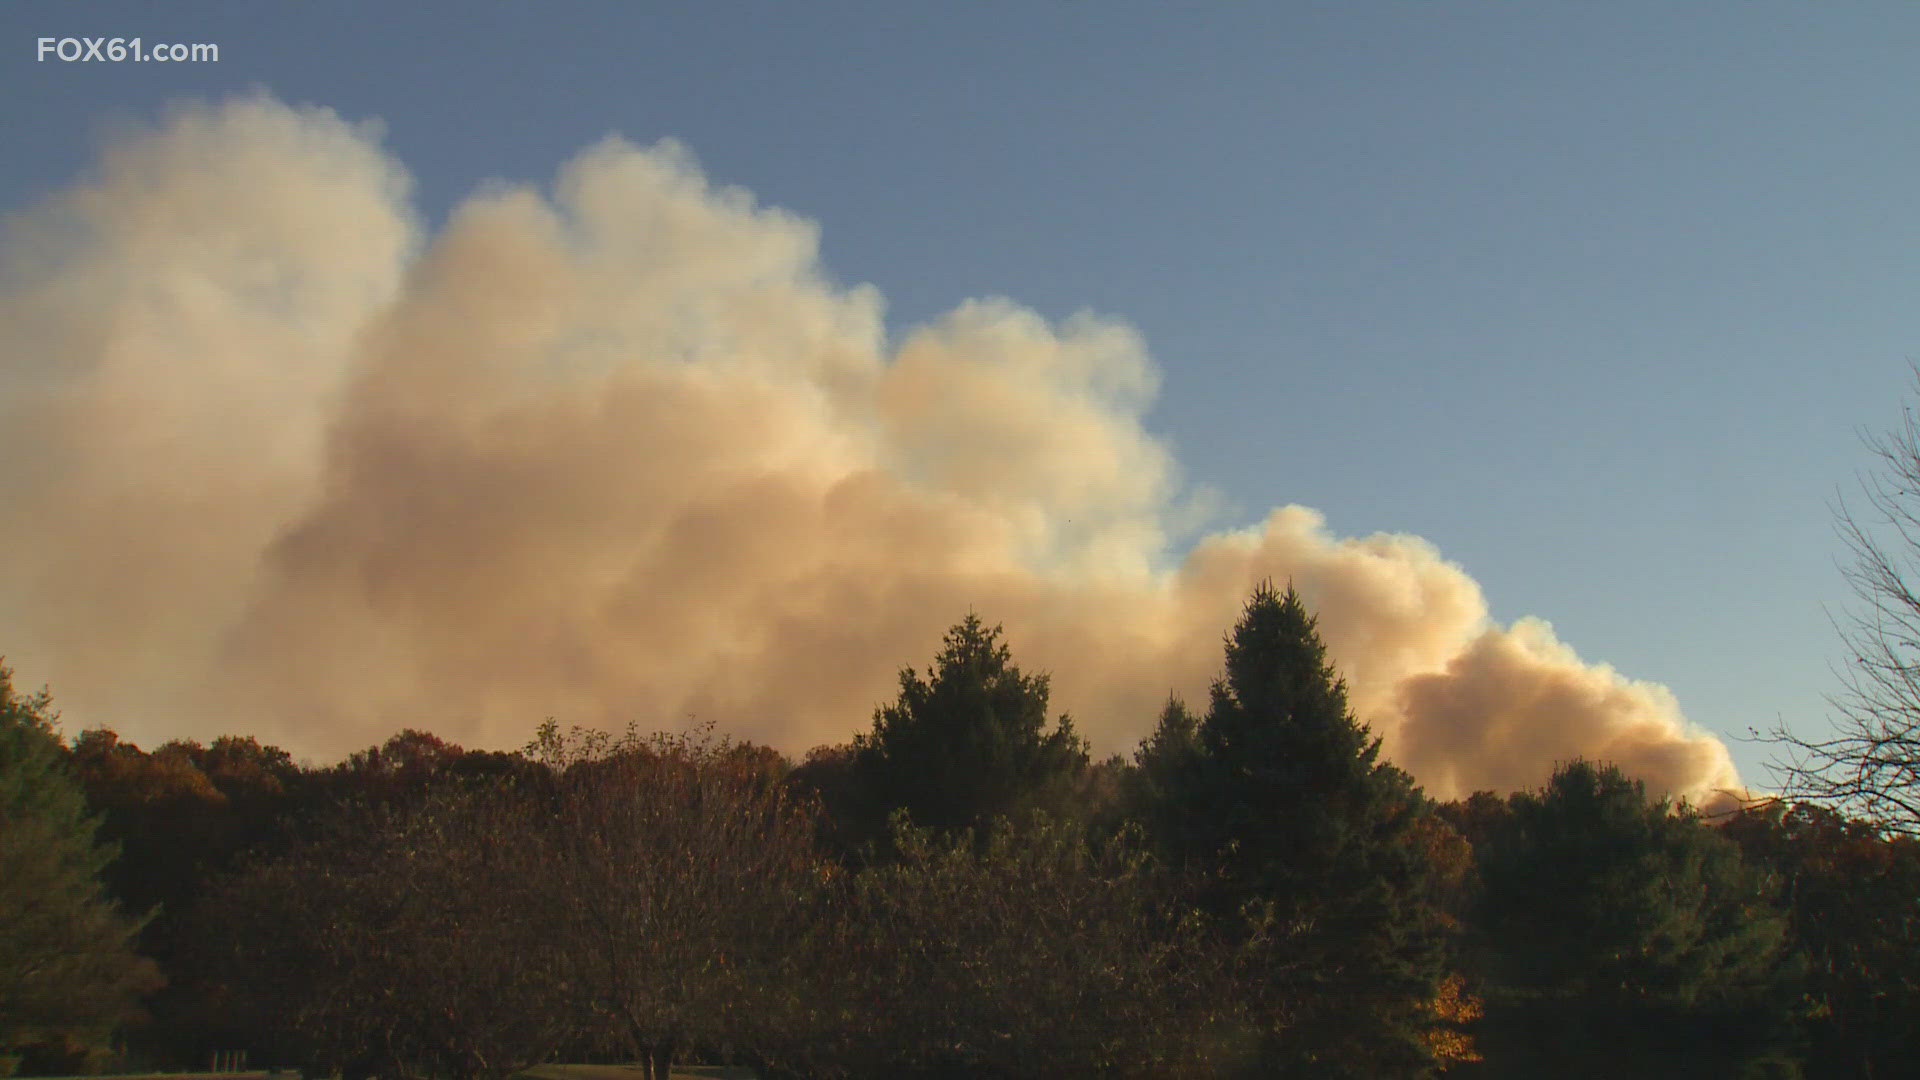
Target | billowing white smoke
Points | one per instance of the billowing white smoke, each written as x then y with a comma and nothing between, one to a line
279,464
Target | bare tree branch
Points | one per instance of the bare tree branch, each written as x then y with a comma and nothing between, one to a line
1869,766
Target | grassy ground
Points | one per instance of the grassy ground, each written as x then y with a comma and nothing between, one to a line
246,1075
250,1074
538,1072
631,1072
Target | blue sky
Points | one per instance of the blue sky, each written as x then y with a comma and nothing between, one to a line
1596,298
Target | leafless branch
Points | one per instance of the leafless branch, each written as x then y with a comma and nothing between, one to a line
1869,766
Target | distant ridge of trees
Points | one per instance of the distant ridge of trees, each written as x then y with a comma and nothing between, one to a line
958,890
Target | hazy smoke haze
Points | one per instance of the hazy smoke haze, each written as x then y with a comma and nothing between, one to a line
281,463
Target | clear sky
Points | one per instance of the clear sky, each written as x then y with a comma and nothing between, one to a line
1594,297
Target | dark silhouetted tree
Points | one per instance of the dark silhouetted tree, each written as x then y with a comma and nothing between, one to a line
1279,805
167,820
248,771
181,816
1163,772
411,938
681,873
68,972
966,743
1025,951
1617,936
1850,897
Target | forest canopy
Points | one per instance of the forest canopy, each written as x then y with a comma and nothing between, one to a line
956,889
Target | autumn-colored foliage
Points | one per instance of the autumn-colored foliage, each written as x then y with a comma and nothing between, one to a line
955,891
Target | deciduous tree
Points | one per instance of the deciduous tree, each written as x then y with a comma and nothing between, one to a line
1868,764
1849,894
1026,951
411,939
681,872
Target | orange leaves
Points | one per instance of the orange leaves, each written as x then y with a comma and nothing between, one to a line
1454,1009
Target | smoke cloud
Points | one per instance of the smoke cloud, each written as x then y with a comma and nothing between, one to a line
282,463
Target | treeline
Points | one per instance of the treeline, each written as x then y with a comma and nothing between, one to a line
958,891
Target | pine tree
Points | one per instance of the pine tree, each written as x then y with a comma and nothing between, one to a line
967,742
1162,772
68,973
1300,832
1617,936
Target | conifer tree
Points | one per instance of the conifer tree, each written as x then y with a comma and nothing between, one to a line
1316,847
1618,936
1162,773
68,973
965,743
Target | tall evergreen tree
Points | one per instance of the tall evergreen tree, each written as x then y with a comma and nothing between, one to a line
965,743
1162,774
1283,808
68,973
1617,936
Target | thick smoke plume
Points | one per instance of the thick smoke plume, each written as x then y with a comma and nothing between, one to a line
280,463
